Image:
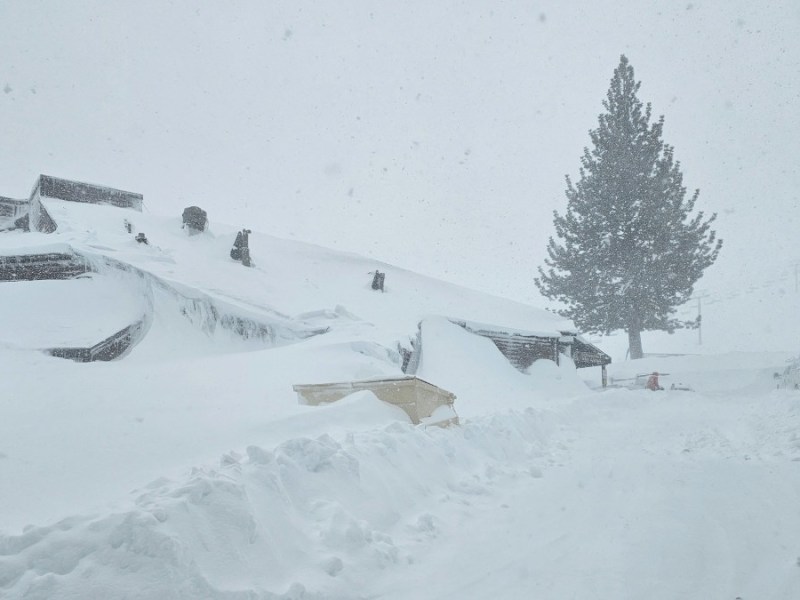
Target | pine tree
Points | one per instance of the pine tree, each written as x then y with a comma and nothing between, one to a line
629,250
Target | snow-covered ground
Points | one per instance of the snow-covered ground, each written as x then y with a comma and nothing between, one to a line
187,469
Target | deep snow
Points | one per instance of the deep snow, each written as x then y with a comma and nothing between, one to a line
188,469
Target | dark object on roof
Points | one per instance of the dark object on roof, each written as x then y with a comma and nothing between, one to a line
195,219
377,280
241,247
76,191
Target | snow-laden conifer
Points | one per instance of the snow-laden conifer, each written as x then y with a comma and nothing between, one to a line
629,249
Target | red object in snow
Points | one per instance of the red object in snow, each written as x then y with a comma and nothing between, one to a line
652,382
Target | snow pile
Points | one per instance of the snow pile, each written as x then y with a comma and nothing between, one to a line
311,517
621,494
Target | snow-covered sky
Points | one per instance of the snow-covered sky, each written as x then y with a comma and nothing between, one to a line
434,135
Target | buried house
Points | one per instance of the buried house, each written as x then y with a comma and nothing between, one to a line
522,347
94,338
31,215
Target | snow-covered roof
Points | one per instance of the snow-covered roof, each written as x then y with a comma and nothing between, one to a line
504,329
291,278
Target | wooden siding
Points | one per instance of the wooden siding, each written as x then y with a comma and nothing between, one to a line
585,354
11,208
522,349
38,217
33,267
110,348
76,191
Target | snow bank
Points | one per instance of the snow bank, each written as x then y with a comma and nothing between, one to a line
310,517
67,427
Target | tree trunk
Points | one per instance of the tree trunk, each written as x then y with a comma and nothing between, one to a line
635,343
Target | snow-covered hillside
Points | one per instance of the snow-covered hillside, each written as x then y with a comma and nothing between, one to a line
187,469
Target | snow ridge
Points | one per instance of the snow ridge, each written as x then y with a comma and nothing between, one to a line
328,510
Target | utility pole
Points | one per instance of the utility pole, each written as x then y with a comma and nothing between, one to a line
700,318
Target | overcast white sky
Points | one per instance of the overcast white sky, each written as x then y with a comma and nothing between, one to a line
434,135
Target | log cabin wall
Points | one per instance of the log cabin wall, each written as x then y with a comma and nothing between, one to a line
76,191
